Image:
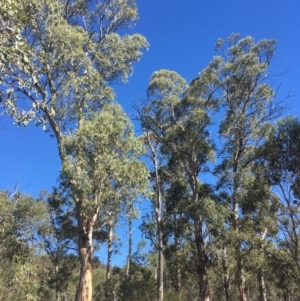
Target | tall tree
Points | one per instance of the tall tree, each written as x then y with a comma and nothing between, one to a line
249,105
176,225
192,147
57,59
177,119
282,154
156,117
152,226
103,165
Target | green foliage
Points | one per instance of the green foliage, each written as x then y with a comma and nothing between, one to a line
58,61
57,71
282,150
140,286
57,237
20,218
57,65
103,159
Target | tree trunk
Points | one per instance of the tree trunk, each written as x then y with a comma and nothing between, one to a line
261,276
262,287
57,286
159,223
202,259
226,280
241,278
129,258
177,261
85,287
178,279
240,275
204,292
108,293
57,295
160,274
160,264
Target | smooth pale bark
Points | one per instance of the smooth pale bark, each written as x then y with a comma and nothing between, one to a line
239,262
109,293
57,288
160,272
85,287
240,275
226,279
261,276
262,287
159,222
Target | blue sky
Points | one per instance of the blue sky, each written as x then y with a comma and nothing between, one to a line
182,35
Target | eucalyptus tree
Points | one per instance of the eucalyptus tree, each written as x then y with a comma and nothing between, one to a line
153,225
192,148
176,226
282,154
156,115
20,217
56,236
57,60
259,208
249,106
102,170
131,213
177,116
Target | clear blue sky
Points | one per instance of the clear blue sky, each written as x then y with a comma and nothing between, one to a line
182,35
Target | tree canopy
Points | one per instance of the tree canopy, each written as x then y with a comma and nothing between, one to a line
215,161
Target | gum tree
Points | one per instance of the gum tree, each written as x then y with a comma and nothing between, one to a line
20,218
156,114
102,172
249,105
177,117
57,60
282,154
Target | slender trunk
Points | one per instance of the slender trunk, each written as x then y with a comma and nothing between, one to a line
240,274
155,270
57,287
108,293
204,292
160,263
160,278
159,223
239,262
85,287
177,262
226,279
262,287
57,294
261,276
129,258
202,259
